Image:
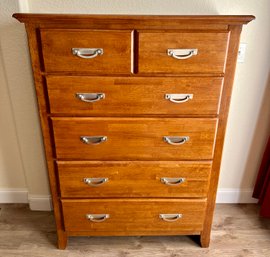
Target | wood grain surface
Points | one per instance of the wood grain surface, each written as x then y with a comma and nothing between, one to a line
57,54
43,106
224,110
133,179
153,57
135,56
135,21
134,138
134,215
133,96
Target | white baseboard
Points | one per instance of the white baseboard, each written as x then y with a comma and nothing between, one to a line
44,202
40,202
20,195
13,195
233,195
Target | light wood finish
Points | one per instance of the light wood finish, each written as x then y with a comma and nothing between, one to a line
143,137
57,45
133,179
134,215
139,96
153,57
139,45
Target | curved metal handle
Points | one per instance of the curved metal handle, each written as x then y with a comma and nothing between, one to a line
170,217
182,54
175,140
172,181
94,182
95,140
97,217
90,97
87,53
178,98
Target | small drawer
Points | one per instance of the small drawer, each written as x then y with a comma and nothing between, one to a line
134,138
133,179
182,52
134,215
86,50
104,96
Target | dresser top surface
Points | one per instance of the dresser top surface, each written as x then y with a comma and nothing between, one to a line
133,19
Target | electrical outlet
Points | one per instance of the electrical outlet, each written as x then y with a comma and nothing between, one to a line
241,52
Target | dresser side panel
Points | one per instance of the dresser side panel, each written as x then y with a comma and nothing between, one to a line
45,126
235,32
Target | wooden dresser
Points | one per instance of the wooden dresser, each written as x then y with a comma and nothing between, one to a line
133,111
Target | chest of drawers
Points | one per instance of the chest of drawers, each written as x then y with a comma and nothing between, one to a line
133,111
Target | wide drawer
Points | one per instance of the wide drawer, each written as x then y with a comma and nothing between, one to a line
133,179
129,215
86,50
106,96
190,52
134,138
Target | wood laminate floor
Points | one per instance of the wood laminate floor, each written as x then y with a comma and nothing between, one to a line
237,231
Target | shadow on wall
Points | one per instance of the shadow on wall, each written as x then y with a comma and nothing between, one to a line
258,144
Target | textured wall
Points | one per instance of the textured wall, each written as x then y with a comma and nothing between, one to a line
249,119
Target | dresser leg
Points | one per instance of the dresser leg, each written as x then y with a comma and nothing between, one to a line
205,239
62,239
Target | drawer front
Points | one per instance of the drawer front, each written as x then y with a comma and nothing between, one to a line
134,215
133,179
134,138
176,52
106,96
57,51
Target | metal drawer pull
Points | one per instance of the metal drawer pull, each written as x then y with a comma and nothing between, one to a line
170,217
178,98
182,54
172,181
95,140
87,53
90,97
94,182
175,140
97,217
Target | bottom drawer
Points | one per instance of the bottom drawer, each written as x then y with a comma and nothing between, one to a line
134,215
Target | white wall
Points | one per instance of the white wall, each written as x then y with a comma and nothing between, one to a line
22,165
12,179
21,154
